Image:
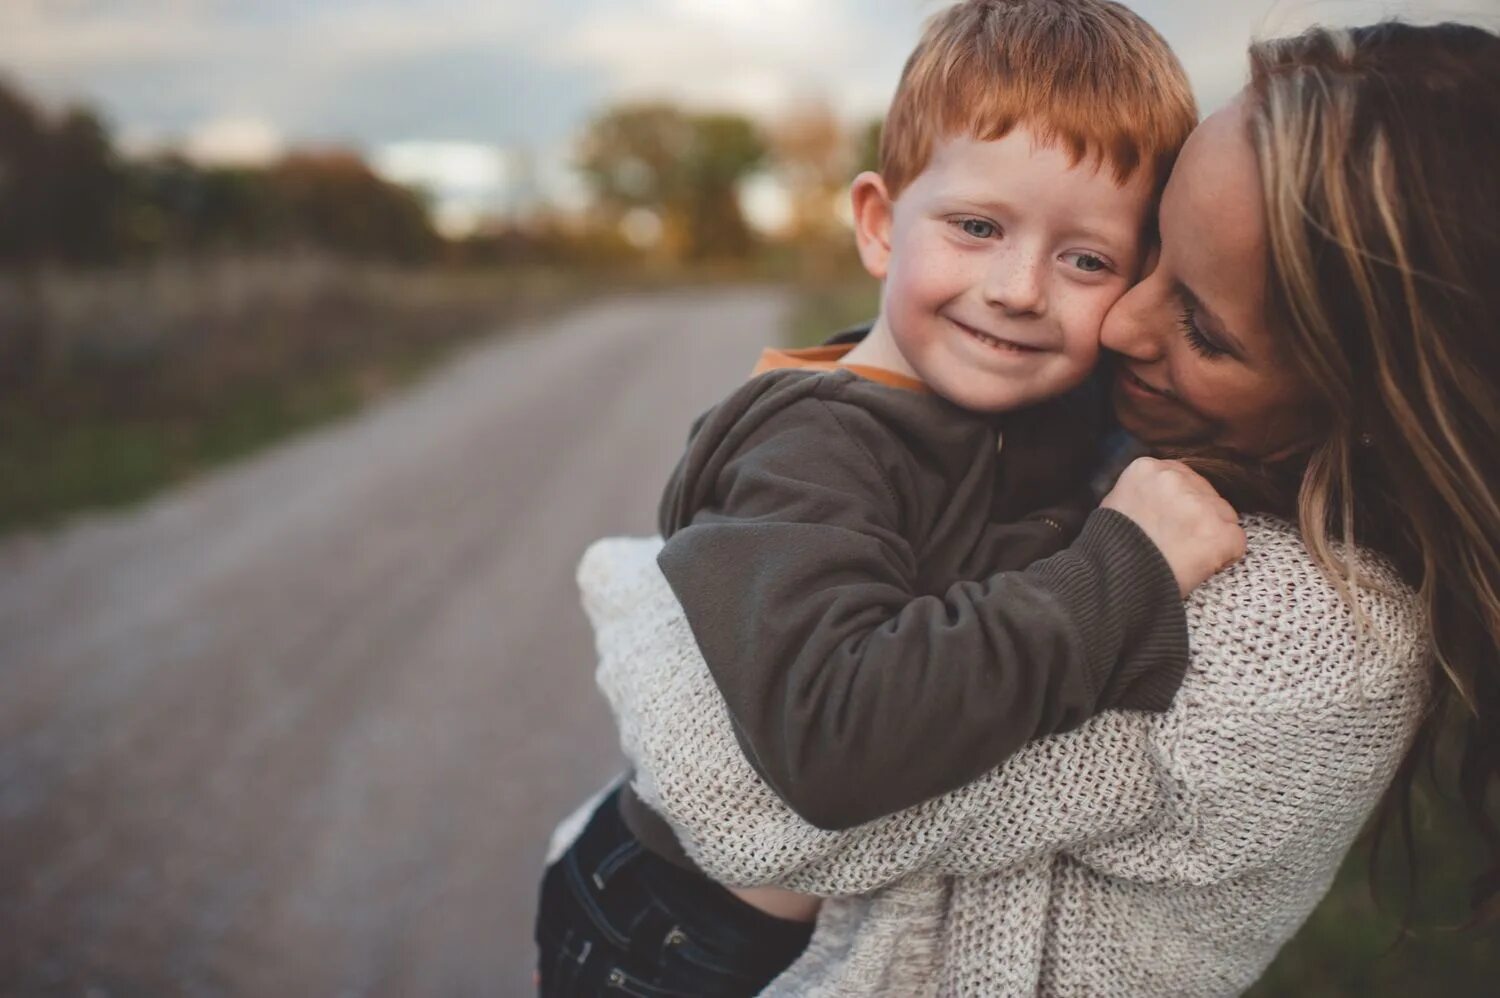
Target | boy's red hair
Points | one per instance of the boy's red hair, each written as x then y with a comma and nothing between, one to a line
1088,75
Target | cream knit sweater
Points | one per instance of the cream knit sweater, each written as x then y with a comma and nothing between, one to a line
1140,855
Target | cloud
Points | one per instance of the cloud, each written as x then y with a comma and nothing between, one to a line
457,166
1211,39
46,36
41,37
165,67
466,180
235,141
465,93
760,57
372,72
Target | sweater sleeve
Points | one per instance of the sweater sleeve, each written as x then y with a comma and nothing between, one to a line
1251,766
1276,762
854,693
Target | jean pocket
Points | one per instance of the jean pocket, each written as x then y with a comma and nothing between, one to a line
713,970
620,980
680,948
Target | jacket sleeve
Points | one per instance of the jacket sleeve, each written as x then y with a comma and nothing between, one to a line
1008,547
853,692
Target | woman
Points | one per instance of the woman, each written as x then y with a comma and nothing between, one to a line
1321,319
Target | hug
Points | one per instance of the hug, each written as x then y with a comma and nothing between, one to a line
925,693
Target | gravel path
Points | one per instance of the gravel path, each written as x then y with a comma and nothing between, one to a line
300,728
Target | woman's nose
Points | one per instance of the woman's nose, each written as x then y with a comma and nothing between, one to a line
1137,323
1014,283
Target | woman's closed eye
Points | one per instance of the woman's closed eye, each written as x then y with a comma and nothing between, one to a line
1188,321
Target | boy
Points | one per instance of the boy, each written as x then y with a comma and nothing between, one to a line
848,525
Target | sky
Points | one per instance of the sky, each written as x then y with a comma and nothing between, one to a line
481,101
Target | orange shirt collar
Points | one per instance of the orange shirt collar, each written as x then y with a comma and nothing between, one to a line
831,359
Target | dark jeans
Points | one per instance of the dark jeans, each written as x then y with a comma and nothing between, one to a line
615,918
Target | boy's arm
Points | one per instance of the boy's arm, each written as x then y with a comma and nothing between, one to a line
1100,781
853,693
1012,546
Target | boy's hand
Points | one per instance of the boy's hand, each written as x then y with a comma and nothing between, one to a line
1197,531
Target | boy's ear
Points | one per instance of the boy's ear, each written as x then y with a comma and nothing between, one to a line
872,222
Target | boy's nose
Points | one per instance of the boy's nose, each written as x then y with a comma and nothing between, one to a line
1014,284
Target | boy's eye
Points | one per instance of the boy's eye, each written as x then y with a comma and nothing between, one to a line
1087,262
977,227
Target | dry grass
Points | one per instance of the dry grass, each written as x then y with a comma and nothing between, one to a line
115,384
828,306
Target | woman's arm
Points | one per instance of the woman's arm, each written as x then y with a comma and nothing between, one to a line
1288,725
1296,712
677,731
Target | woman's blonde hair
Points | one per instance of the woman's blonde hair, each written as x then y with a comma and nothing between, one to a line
1379,152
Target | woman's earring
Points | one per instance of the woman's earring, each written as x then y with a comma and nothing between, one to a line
1366,440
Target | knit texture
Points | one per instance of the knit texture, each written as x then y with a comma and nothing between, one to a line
1139,855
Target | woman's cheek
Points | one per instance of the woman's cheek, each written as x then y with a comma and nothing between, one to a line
1195,381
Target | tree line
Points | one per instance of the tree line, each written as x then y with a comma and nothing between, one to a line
69,197
686,168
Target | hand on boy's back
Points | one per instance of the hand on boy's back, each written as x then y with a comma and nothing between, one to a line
1197,531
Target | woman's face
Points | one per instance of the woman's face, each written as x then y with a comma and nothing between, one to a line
1199,361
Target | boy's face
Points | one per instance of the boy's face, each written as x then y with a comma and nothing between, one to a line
999,261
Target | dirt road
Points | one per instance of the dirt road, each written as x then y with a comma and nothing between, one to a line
301,728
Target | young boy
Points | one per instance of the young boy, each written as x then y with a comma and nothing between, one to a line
847,529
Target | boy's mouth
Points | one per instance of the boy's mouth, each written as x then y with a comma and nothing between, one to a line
995,342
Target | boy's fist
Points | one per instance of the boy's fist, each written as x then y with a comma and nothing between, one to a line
1197,531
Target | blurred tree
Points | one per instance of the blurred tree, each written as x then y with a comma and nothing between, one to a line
24,347
815,163
725,148
868,155
162,189
335,201
234,207
332,201
685,168
66,197
62,190
61,197
23,173
542,236
85,191
633,156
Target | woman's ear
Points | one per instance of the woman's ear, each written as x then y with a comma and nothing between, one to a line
872,222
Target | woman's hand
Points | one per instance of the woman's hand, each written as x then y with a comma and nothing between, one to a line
1197,531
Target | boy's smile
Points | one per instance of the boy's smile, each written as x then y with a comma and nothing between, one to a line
999,261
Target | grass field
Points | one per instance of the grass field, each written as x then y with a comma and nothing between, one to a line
114,385
823,308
